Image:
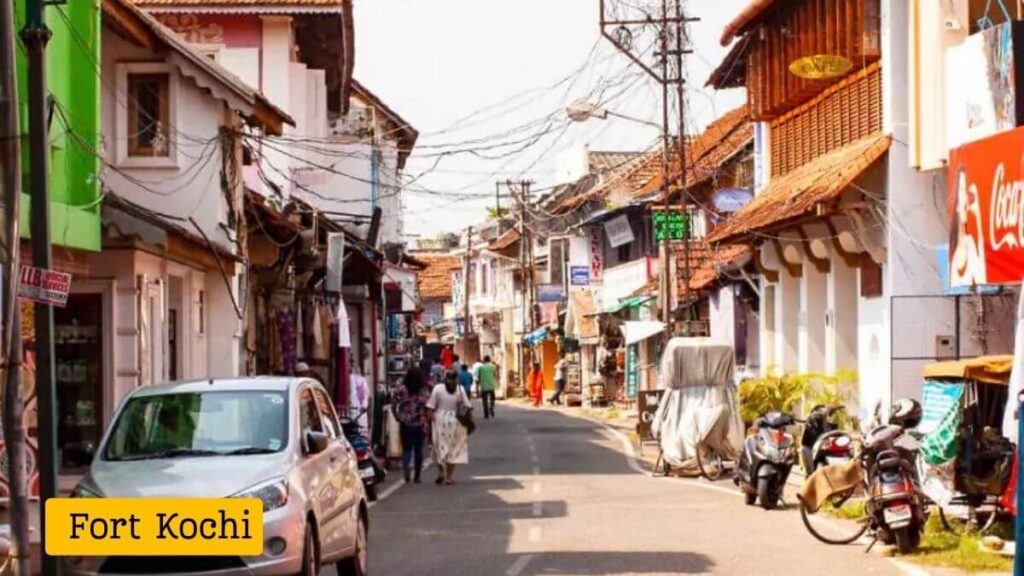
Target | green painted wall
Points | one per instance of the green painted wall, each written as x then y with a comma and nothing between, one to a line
73,74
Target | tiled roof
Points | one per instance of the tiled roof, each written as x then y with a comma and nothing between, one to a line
796,194
705,262
732,71
708,151
601,162
751,15
435,281
505,241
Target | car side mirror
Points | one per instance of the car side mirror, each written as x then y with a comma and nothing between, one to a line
316,442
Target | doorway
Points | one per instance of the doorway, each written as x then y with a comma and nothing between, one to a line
78,350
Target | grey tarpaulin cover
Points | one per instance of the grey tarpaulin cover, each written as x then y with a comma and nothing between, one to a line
699,404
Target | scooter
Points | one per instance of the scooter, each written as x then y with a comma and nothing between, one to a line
823,443
370,471
768,456
896,505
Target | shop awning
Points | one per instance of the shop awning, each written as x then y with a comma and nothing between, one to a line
536,337
630,302
798,194
636,331
579,319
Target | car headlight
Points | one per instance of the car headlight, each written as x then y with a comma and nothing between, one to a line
83,490
273,493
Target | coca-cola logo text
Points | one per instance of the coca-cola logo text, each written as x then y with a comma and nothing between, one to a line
1006,216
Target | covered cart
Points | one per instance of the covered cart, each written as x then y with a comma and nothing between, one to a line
699,406
967,459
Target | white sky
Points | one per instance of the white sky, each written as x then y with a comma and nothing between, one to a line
438,61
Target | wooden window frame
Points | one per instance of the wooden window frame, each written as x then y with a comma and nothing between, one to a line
125,126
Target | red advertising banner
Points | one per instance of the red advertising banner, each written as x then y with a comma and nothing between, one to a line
986,211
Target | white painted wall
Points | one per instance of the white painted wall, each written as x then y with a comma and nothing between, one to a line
811,334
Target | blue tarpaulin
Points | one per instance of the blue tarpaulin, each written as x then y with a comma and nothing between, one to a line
536,337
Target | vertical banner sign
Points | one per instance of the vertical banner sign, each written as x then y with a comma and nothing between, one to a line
335,262
596,255
986,208
632,371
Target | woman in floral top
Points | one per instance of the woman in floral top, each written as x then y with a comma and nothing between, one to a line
410,408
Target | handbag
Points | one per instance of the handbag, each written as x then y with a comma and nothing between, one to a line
464,414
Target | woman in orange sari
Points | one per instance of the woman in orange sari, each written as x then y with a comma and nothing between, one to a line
536,384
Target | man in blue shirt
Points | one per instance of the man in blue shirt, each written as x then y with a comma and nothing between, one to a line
466,380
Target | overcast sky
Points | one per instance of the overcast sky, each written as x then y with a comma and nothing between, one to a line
485,82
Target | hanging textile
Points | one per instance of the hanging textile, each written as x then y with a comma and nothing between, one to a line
359,399
286,330
344,329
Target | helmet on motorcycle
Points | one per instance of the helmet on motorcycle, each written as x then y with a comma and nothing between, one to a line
906,413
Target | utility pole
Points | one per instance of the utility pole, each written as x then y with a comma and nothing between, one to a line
35,35
522,283
466,322
670,21
12,354
684,193
497,203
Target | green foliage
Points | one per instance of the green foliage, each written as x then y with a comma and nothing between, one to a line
940,547
793,394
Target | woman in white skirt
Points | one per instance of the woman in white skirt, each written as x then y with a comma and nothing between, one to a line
449,436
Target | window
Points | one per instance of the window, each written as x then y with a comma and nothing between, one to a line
623,254
485,277
309,414
331,425
148,114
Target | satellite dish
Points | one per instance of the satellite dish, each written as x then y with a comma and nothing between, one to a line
731,199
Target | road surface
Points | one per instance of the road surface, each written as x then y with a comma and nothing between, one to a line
546,493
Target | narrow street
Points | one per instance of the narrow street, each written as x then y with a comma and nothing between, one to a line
547,493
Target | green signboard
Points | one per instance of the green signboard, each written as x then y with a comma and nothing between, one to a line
632,371
671,225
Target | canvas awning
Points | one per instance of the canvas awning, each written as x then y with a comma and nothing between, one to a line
987,369
579,319
637,331
536,337
630,302
797,195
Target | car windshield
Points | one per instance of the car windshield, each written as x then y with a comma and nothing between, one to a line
215,423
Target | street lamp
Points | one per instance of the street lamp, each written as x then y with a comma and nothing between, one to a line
581,111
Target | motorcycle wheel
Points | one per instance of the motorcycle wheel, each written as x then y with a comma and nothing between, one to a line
710,463
907,539
841,532
766,493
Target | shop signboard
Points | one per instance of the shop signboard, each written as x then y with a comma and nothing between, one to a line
986,208
596,251
550,293
619,231
44,286
579,275
983,100
647,405
671,225
632,370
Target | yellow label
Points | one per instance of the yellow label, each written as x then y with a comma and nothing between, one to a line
820,66
154,527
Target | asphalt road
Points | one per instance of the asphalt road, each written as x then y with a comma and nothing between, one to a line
546,493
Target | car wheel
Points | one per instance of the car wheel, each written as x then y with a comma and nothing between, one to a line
310,564
358,563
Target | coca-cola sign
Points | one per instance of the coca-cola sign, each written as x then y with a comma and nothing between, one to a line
986,211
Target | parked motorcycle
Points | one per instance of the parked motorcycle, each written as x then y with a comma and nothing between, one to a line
823,443
896,504
370,471
767,458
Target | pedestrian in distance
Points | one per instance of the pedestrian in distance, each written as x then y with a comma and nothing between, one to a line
456,364
409,406
466,381
476,374
535,384
487,379
556,398
451,439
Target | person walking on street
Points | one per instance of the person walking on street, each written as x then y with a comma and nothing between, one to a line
410,409
476,375
535,384
450,438
466,380
456,364
556,398
487,379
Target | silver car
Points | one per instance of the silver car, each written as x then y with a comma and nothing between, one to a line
276,439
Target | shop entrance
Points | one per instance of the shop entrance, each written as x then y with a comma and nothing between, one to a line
78,330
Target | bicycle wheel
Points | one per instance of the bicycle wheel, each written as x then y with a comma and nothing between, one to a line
984,520
710,463
850,517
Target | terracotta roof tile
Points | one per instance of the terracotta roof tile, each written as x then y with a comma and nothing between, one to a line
435,281
505,241
797,193
705,262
